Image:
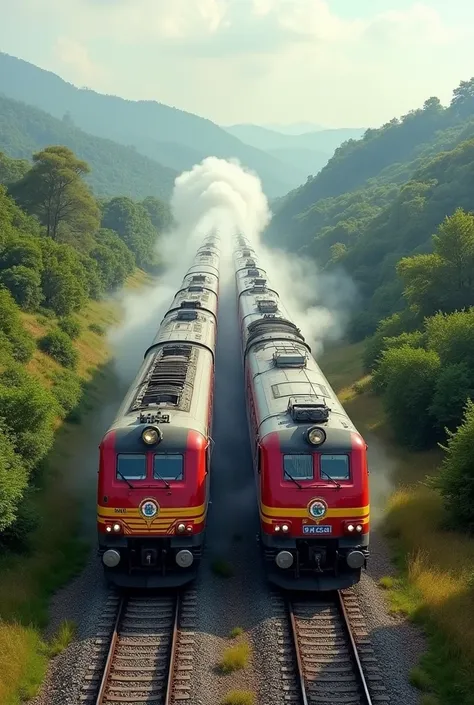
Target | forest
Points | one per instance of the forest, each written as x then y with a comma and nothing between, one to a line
59,248
395,211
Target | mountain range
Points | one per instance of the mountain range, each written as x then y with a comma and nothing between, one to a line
171,138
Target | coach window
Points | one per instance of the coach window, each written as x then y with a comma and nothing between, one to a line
335,466
131,466
298,467
168,466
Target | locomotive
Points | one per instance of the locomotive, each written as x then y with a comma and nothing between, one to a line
154,460
309,460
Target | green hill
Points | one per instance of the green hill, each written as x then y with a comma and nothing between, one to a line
147,125
116,169
381,198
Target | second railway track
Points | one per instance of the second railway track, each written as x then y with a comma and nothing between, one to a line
325,654
144,653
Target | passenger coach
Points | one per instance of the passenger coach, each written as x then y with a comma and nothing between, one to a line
310,461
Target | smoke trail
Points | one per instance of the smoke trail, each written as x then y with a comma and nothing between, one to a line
219,194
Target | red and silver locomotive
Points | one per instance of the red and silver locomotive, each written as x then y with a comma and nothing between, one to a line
310,462
153,486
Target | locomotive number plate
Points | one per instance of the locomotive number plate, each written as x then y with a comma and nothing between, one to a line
314,529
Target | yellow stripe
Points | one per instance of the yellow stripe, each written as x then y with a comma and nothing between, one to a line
330,514
164,512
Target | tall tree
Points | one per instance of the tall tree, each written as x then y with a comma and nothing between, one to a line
55,192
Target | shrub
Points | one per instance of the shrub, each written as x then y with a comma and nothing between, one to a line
29,412
17,536
456,478
97,328
235,632
13,479
59,346
11,326
235,658
24,285
239,697
70,326
408,377
454,385
399,323
67,389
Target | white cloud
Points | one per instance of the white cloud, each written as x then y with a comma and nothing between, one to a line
255,60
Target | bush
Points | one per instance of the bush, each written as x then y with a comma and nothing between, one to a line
452,337
29,412
70,326
13,479
239,697
408,377
67,389
97,328
11,326
454,385
24,285
235,658
59,346
456,478
17,536
401,323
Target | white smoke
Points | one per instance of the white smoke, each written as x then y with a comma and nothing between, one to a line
221,195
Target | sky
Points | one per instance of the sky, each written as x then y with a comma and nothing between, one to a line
352,63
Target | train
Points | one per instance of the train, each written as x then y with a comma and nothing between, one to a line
310,462
154,460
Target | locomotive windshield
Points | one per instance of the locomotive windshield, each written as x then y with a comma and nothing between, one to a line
168,466
299,467
335,467
131,466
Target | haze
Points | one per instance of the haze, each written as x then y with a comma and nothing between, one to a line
335,63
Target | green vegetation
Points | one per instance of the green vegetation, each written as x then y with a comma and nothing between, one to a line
56,267
380,198
115,168
239,697
235,632
235,658
432,584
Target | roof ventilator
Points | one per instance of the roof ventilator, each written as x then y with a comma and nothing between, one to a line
253,273
267,306
165,380
307,410
186,315
199,278
206,253
289,359
148,417
196,289
190,304
250,263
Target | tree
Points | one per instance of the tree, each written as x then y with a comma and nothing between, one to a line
13,479
12,170
54,191
456,479
159,213
462,103
408,377
443,280
132,222
24,284
12,328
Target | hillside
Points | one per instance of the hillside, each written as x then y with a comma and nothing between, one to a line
325,141
381,198
116,169
144,124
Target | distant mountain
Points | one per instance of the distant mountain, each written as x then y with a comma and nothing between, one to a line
295,128
116,169
153,128
325,141
308,162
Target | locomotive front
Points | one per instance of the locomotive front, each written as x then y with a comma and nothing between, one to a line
154,466
310,462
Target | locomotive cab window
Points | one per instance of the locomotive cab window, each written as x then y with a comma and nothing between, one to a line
300,467
335,466
168,466
131,466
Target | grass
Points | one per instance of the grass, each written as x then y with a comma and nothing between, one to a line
235,658
222,568
434,584
235,632
55,555
239,697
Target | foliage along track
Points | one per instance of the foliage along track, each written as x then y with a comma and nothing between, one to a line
324,652
143,651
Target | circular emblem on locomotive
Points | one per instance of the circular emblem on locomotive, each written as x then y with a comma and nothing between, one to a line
317,508
149,508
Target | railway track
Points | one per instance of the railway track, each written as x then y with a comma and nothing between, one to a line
143,652
325,654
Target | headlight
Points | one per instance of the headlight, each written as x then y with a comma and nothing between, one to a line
285,528
350,528
316,436
117,528
151,436
180,528
108,528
